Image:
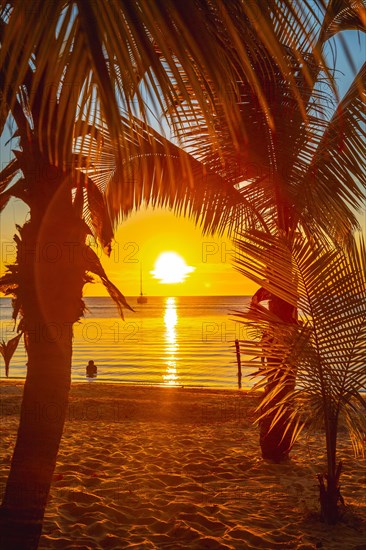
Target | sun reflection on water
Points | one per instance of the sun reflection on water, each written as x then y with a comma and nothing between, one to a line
171,346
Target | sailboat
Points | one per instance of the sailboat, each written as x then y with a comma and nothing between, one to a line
141,299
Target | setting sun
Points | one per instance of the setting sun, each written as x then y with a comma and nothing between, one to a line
171,268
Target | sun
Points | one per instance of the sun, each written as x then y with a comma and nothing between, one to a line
171,268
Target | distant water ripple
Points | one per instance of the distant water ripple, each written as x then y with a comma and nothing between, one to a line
176,341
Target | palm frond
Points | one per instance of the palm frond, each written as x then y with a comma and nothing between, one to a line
334,183
93,265
325,352
266,259
100,53
341,15
8,173
98,211
160,172
7,350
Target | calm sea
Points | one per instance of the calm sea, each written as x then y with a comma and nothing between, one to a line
177,341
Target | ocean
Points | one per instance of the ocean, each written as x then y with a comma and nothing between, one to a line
184,341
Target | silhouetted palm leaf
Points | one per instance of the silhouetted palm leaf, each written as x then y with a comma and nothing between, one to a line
324,354
7,350
306,168
93,265
96,55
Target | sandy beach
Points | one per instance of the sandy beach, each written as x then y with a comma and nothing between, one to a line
169,468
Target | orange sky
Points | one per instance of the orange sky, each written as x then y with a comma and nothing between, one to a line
148,233
141,238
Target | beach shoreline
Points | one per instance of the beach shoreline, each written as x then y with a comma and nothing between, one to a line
166,467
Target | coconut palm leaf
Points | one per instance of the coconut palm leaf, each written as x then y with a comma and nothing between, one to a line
98,211
326,351
334,183
318,183
340,15
296,170
260,189
161,171
93,265
93,41
266,259
7,350
8,173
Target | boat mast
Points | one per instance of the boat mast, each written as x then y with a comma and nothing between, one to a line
141,299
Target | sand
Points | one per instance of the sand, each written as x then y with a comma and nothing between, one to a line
170,468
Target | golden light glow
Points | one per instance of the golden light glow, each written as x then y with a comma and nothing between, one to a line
171,268
170,319
144,236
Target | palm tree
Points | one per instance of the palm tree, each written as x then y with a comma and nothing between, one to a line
304,171
53,263
63,66
324,355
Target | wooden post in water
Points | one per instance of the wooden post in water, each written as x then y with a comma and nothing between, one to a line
237,347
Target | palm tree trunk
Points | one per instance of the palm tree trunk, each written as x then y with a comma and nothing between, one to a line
329,489
42,419
329,498
50,293
275,441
